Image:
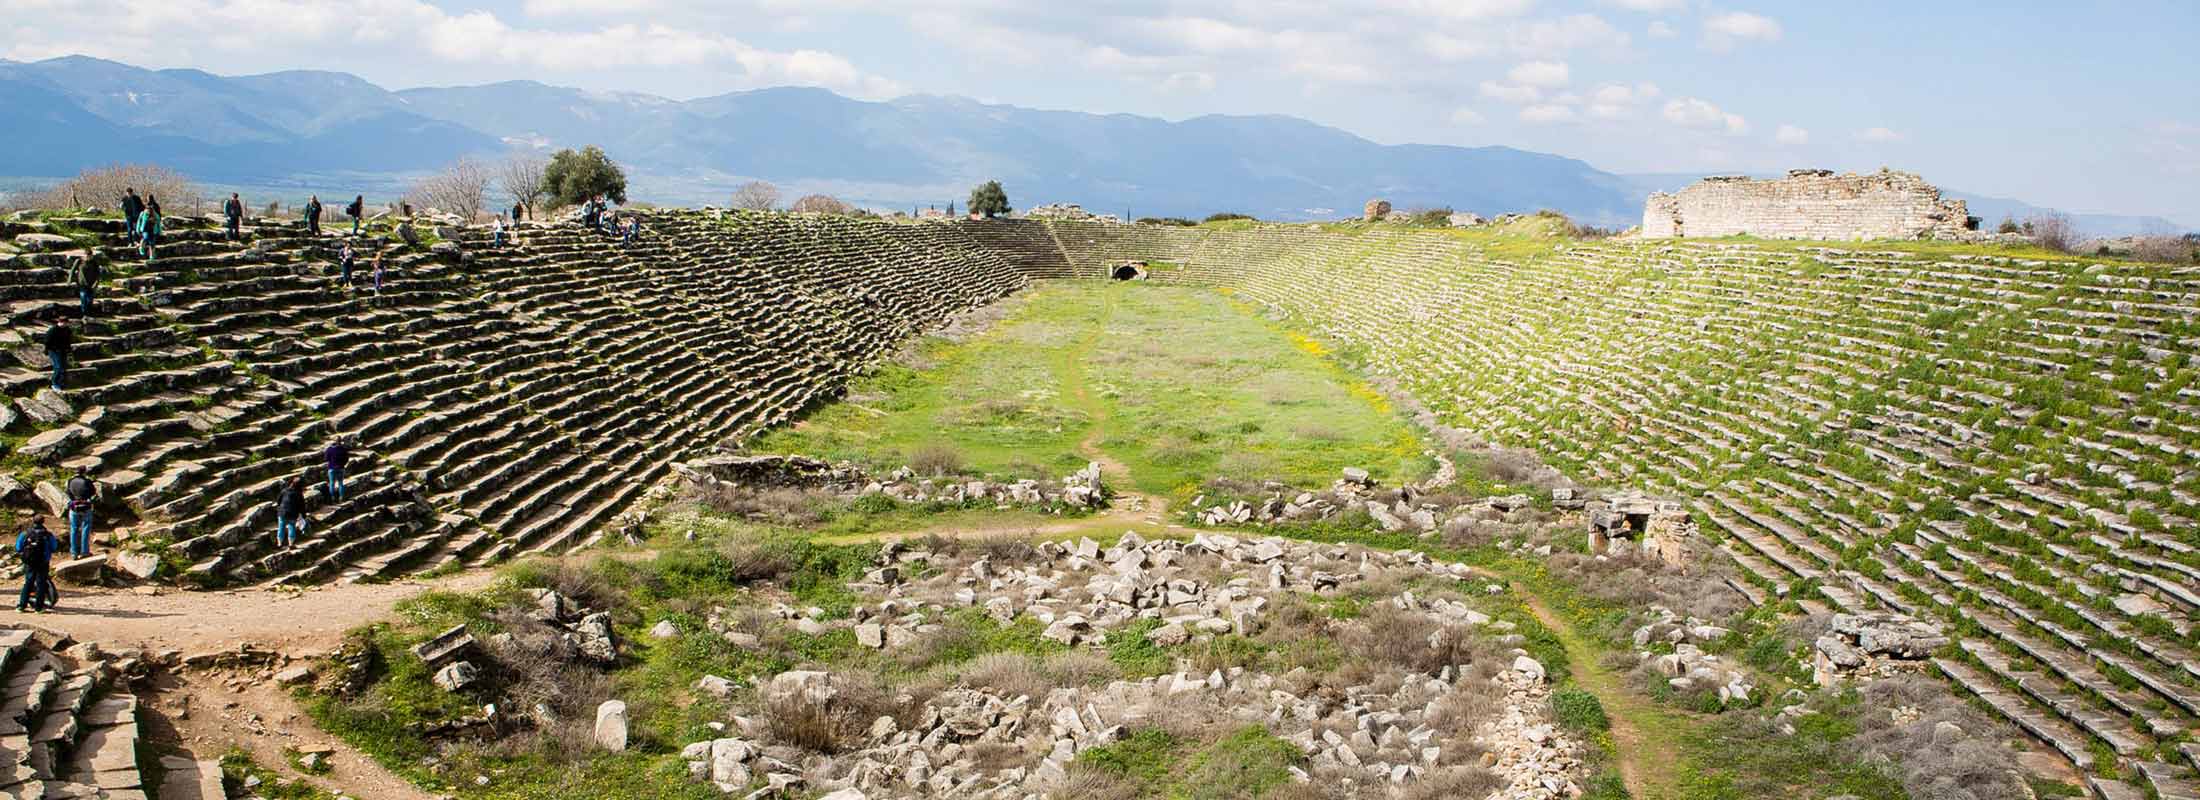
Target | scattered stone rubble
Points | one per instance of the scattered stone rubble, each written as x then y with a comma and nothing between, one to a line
583,635
1687,668
1403,509
1375,736
1628,523
1084,489
1870,646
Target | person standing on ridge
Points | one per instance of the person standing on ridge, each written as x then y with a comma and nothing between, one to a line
132,206
85,274
59,340
355,211
290,512
35,547
517,209
313,216
338,458
82,492
232,217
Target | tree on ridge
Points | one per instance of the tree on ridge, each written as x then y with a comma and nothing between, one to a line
989,199
575,176
756,196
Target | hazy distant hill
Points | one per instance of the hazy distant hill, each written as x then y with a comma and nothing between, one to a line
66,114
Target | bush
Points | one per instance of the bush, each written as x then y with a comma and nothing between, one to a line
1176,221
1226,216
1579,711
1451,782
2009,225
2163,249
820,204
936,459
755,196
103,186
2053,231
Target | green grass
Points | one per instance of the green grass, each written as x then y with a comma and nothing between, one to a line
1247,762
1180,385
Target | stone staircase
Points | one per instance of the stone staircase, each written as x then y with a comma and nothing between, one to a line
66,730
500,400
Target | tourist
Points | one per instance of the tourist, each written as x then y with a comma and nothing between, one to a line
517,209
82,492
633,226
35,547
313,216
132,206
356,210
232,216
148,229
499,240
344,261
290,512
59,340
84,274
338,457
378,271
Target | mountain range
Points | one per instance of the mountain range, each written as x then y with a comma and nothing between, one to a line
334,131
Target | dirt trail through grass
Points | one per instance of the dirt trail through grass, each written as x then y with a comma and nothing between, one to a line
1648,761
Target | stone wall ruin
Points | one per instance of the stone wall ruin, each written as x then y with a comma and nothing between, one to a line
1807,204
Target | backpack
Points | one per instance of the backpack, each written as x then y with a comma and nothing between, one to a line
33,550
353,209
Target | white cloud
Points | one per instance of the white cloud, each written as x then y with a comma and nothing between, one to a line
1578,31
1789,134
1660,30
1649,5
1547,113
1690,112
1723,31
1467,116
1449,48
1618,101
1880,135
1517,95
1189,82
1541,74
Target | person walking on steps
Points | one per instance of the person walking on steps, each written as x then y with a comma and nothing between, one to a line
34,547
355,211
82,492
338,458
232,217
313,216
132,206
148,229
60,339
499,240
344,262
633,227
379,270
517,209
85,274
290,513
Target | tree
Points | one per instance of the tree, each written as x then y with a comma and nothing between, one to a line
574,176
102,187
950,209
2053,231
989,199
460,188
755,196
821,204
521,177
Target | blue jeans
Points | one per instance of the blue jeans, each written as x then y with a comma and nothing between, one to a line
60,366
336,475
288,530
232,229
80,532
37,588
500,239
85,294
355,226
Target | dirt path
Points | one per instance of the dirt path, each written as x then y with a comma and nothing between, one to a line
1646,762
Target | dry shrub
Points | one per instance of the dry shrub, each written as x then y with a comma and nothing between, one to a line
103,186
1469,704
1412,640
460,189
936,459
1006,549
755,196
859,699
1080,668
537,673
1008,675
1451,782
1639,582
783,504
1972,766
1088,783
2053,231
2163,249
751,561
821,204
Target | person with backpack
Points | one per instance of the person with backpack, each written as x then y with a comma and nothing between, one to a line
34,547
338,459
82,492
85,274
60,340
290,513
344,262
232,217
356,211
132,206
313,216
148,230
517,209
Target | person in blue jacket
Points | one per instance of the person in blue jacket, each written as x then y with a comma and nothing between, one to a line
35,547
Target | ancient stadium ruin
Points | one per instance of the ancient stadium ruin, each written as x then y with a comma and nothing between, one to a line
1998,447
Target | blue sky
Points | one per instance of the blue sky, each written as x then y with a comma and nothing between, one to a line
2088,108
